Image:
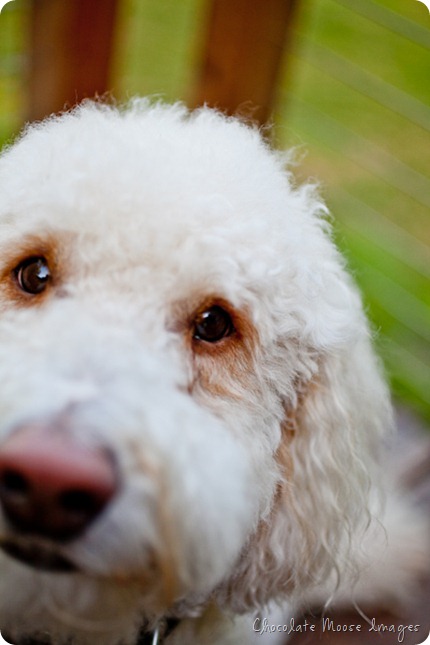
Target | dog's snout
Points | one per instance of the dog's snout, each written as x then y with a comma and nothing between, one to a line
50,486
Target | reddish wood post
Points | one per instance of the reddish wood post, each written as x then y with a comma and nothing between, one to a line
243,54
70,52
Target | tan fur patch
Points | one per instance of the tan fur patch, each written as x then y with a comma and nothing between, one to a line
49,247
223,368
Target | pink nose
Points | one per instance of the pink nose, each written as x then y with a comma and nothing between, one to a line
50,486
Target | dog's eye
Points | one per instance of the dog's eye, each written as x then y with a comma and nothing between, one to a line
33,275
213,324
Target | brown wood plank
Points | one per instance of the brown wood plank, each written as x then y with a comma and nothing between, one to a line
70,52
244,49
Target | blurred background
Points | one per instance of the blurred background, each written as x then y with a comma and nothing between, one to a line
347,82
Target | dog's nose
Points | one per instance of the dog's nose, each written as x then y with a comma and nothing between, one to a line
50,486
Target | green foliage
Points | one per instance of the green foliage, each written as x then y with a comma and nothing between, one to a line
356,96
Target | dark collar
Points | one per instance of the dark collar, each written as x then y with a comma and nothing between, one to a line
166,628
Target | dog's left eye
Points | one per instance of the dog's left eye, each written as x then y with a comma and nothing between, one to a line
213,324
33,275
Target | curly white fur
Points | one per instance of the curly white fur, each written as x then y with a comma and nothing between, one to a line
248,467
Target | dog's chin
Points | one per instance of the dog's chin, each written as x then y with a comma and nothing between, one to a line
38,556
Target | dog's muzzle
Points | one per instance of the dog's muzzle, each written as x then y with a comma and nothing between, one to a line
51,490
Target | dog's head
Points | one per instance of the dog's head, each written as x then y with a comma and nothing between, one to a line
188,399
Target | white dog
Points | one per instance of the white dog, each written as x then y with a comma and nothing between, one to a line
190,408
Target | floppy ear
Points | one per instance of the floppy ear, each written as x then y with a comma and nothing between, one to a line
336,409
326,460
332,461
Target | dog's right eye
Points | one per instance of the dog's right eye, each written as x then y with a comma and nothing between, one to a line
213,324
33,275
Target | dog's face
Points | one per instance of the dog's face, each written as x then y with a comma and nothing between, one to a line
172,313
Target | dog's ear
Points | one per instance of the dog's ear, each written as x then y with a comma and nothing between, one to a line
329,467
326,460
